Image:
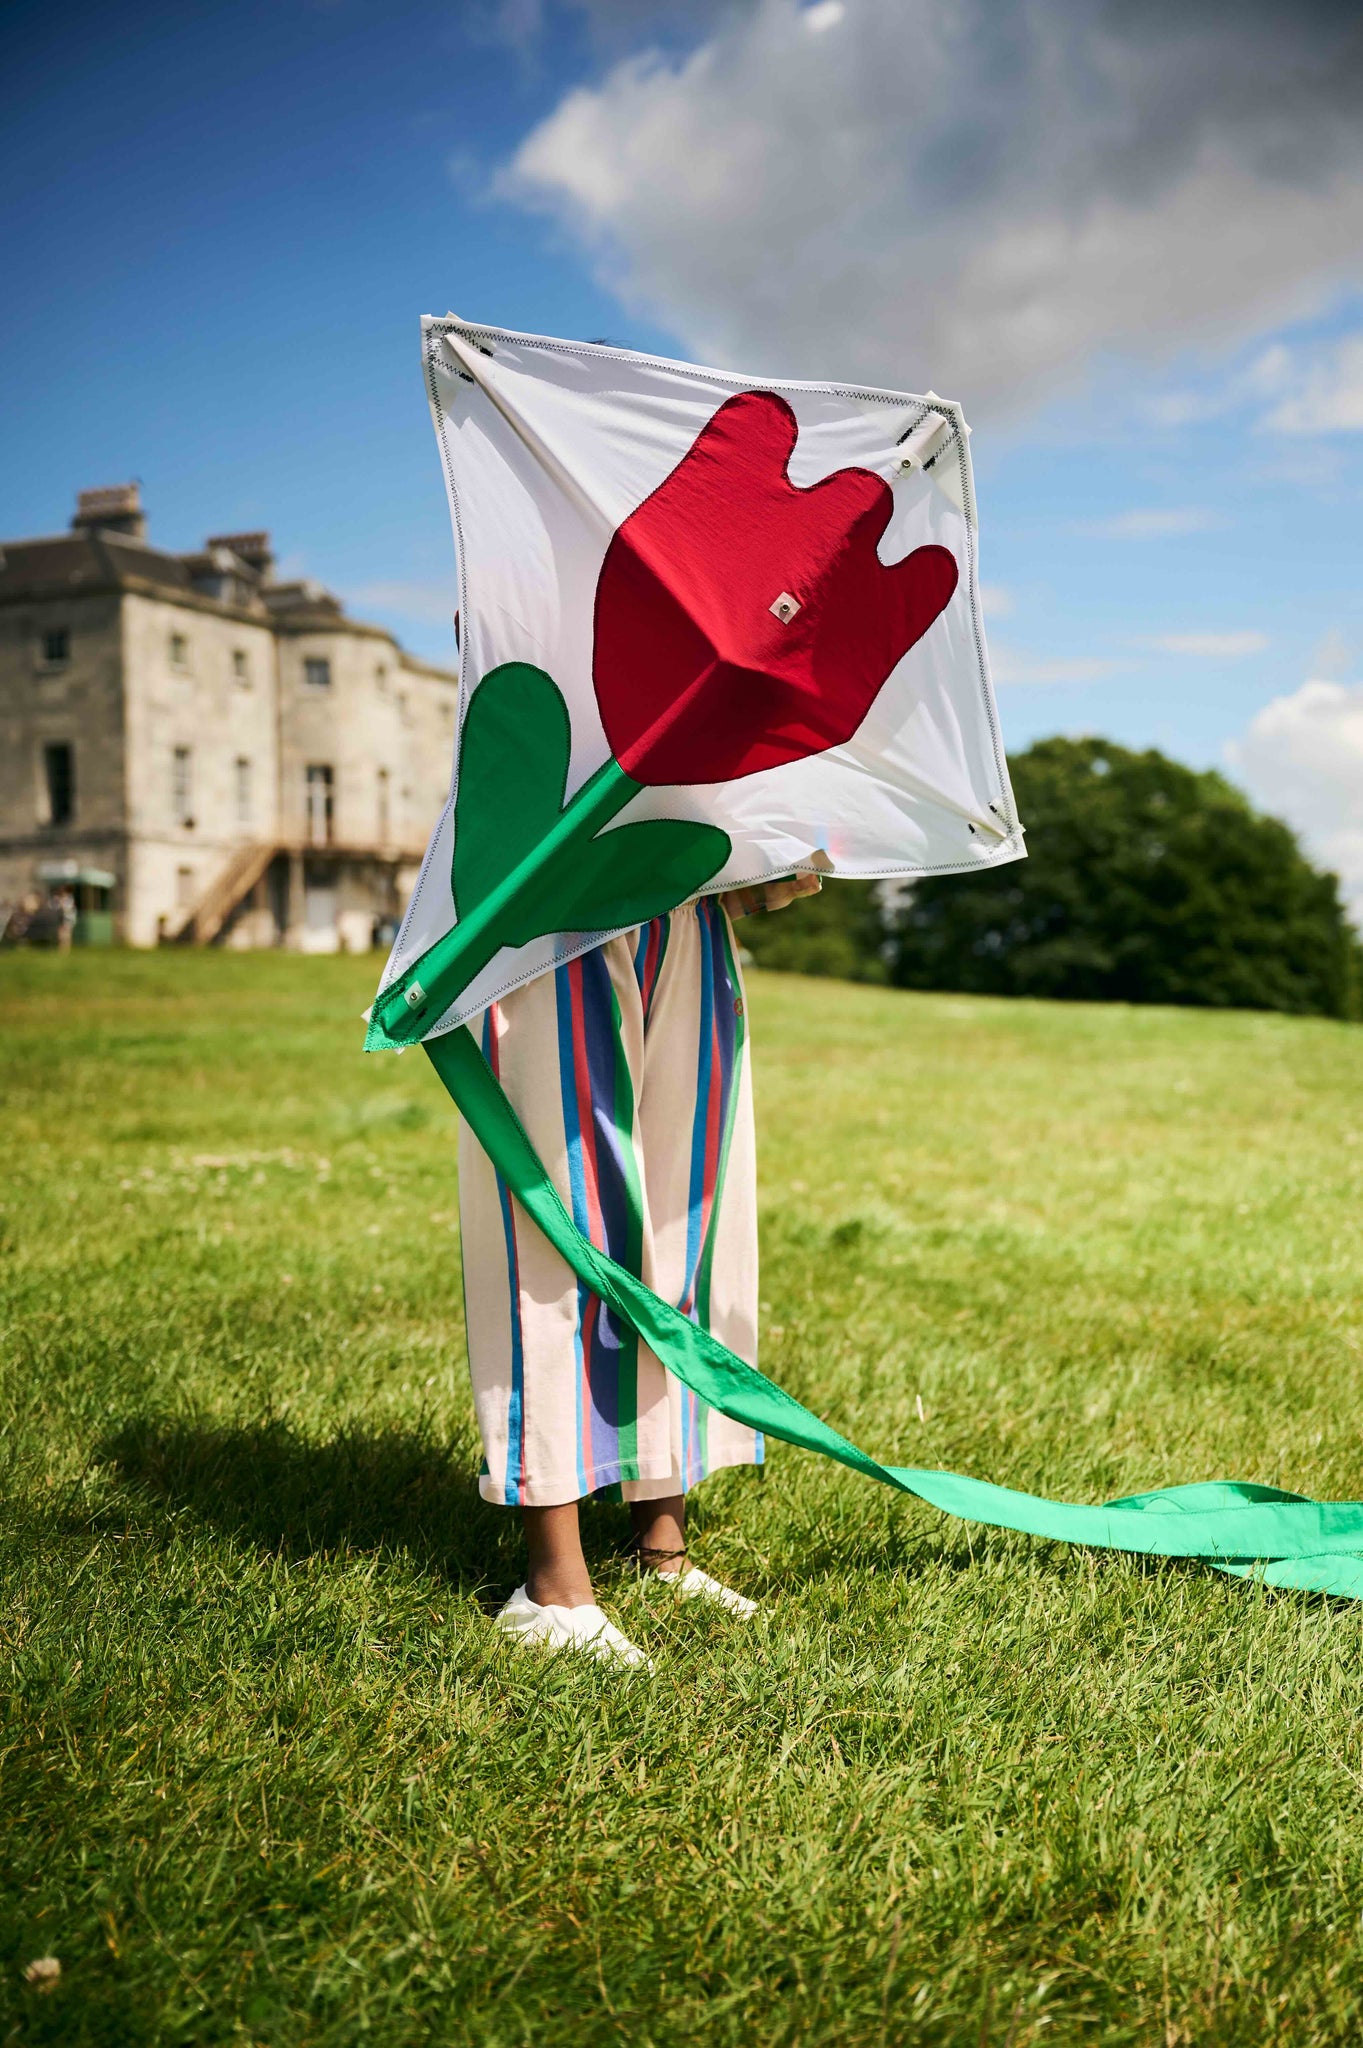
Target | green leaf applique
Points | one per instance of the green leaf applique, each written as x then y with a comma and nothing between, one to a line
513,774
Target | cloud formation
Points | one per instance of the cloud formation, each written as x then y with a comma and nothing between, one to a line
1211,646
982,195
1157,522
1296,389
432,603
1009,666
1323,394
1302,758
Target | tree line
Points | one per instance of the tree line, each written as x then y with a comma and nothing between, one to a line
1145,882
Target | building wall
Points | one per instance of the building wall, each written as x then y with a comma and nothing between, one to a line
78,702
125,703
431,720
380,716
200,705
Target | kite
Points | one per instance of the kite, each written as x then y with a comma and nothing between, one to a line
716,630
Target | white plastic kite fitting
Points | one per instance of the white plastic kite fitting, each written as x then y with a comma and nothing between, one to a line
784,608
924,444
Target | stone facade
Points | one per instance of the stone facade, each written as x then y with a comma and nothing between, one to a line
239,760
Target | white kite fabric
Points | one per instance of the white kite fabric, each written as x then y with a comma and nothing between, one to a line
551,448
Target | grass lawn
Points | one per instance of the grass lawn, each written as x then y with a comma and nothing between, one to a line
267,1775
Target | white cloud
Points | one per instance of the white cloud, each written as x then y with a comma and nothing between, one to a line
1334,655
433,604
1215,646
1299,389
1157,522
1011,667
517,22
1324,392
609,22
468,175
1185,408
997,602
982,195
1302,758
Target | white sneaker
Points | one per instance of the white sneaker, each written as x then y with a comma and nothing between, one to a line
569,1628
698,1585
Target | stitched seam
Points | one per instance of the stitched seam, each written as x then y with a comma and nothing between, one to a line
947,410
699,375
695,374
591,940
1005,788
393,972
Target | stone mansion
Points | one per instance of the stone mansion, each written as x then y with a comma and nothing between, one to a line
199,752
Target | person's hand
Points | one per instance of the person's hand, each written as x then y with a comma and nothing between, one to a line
770,895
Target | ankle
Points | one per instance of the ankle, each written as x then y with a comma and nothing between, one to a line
553,1586
658,1539
662,1564
557,1574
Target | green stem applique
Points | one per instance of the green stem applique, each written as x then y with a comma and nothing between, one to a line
526,863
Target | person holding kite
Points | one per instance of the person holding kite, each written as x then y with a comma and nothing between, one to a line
629,1070
721,636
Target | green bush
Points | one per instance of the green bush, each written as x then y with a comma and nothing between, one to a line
1146,882
840,932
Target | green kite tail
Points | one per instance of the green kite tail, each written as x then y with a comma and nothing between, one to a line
1240,1528
530,860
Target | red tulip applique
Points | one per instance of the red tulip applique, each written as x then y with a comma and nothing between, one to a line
743,622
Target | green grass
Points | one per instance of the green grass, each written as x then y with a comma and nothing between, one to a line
267,1775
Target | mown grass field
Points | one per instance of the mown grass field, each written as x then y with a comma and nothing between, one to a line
266,1774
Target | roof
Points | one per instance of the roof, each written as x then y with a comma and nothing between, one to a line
82,563
91,564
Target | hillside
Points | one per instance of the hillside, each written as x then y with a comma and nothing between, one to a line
269,1776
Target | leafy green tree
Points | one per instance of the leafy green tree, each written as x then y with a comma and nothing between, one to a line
839,932
1146,882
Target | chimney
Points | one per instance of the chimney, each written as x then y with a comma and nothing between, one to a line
117,508
252,548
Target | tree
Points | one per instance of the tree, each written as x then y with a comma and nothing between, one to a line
1146,882
839,932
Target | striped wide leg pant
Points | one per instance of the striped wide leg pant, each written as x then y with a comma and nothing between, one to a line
628,1069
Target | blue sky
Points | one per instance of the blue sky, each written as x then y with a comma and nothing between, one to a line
226,220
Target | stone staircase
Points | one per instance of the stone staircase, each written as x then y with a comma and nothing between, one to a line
233,882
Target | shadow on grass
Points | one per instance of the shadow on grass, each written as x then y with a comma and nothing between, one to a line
399,1491
403,1491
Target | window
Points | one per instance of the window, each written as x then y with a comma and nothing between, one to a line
320,804
317,672
381,679
182,786
243,782
241,667
385,807
59,782
184,888
56,647
179,651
